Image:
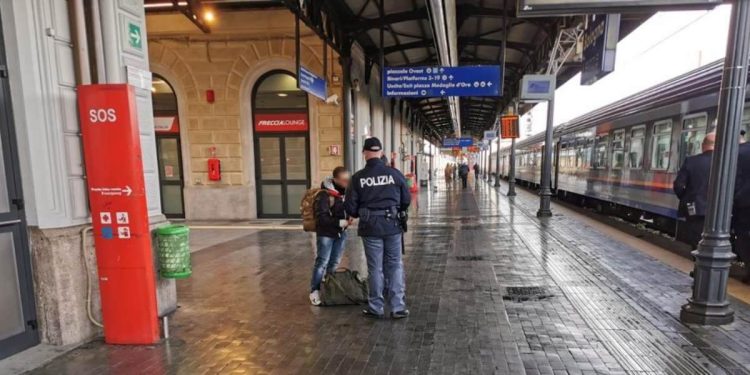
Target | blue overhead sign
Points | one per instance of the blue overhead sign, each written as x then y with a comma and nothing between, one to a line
312,83
599,46
458,142
432,81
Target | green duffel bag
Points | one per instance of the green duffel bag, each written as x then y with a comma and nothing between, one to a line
343,287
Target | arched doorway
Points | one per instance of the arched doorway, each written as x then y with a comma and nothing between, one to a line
168,148
282,144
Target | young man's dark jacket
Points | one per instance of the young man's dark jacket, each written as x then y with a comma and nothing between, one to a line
327,215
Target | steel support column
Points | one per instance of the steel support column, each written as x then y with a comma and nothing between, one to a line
512,169
297,49
488,164
393,128
346,91
504,47
497,160
545,192
708,304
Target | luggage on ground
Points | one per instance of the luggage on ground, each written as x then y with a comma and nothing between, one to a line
343,287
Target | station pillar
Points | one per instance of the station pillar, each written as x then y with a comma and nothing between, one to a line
708,304
512,169
545,192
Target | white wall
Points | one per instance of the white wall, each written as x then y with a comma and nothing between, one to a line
38,40
42,78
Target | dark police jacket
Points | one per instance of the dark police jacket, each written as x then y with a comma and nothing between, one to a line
691,185
375,195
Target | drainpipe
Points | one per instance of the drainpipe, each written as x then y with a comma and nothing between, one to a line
110,43
80,42
98,46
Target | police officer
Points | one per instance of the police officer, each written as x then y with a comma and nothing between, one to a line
741,214
691,187
379,197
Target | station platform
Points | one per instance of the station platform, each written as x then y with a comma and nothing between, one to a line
491,289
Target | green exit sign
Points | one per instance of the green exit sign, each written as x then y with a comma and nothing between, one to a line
135,38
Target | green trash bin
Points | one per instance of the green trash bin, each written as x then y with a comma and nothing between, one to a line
174,251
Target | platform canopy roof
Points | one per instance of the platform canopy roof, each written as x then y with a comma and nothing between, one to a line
408,41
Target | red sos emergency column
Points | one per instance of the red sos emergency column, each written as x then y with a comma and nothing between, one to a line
117,196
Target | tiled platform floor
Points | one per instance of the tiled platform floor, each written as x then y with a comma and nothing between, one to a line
606,308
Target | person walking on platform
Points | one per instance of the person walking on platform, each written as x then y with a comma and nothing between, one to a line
463,172
691,187
448,173
741,212
379,197
330,228
476,172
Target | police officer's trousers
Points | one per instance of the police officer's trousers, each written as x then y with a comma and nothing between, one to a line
385,269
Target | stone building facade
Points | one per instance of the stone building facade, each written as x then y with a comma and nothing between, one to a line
230,61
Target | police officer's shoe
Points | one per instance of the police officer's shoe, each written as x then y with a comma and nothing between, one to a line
371,314
400,314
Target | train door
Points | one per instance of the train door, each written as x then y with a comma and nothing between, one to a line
18,327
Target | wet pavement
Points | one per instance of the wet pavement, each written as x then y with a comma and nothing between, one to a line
491,288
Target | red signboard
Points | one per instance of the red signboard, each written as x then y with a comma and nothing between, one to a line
117,198
509,127
166,125
280,122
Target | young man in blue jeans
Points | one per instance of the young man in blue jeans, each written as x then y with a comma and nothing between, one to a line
330,228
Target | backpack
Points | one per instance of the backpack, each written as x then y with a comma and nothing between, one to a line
307,208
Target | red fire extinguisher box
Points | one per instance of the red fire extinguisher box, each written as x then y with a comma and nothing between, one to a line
119,213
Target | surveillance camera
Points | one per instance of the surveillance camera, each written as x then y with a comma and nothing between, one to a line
333,99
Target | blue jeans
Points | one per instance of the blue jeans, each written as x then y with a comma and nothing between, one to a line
386,271
328,256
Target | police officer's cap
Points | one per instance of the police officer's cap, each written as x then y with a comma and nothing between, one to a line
372,144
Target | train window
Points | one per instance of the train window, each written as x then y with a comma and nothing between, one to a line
693,132
637,147
661,144
618,149
583,154
600,152
746,122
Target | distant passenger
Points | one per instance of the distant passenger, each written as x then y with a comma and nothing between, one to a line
463,172
741,214
691,187
476,172
330,228
448,173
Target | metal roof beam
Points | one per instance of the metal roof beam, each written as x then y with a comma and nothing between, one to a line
524,48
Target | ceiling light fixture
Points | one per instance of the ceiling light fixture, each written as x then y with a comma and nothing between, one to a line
209,16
